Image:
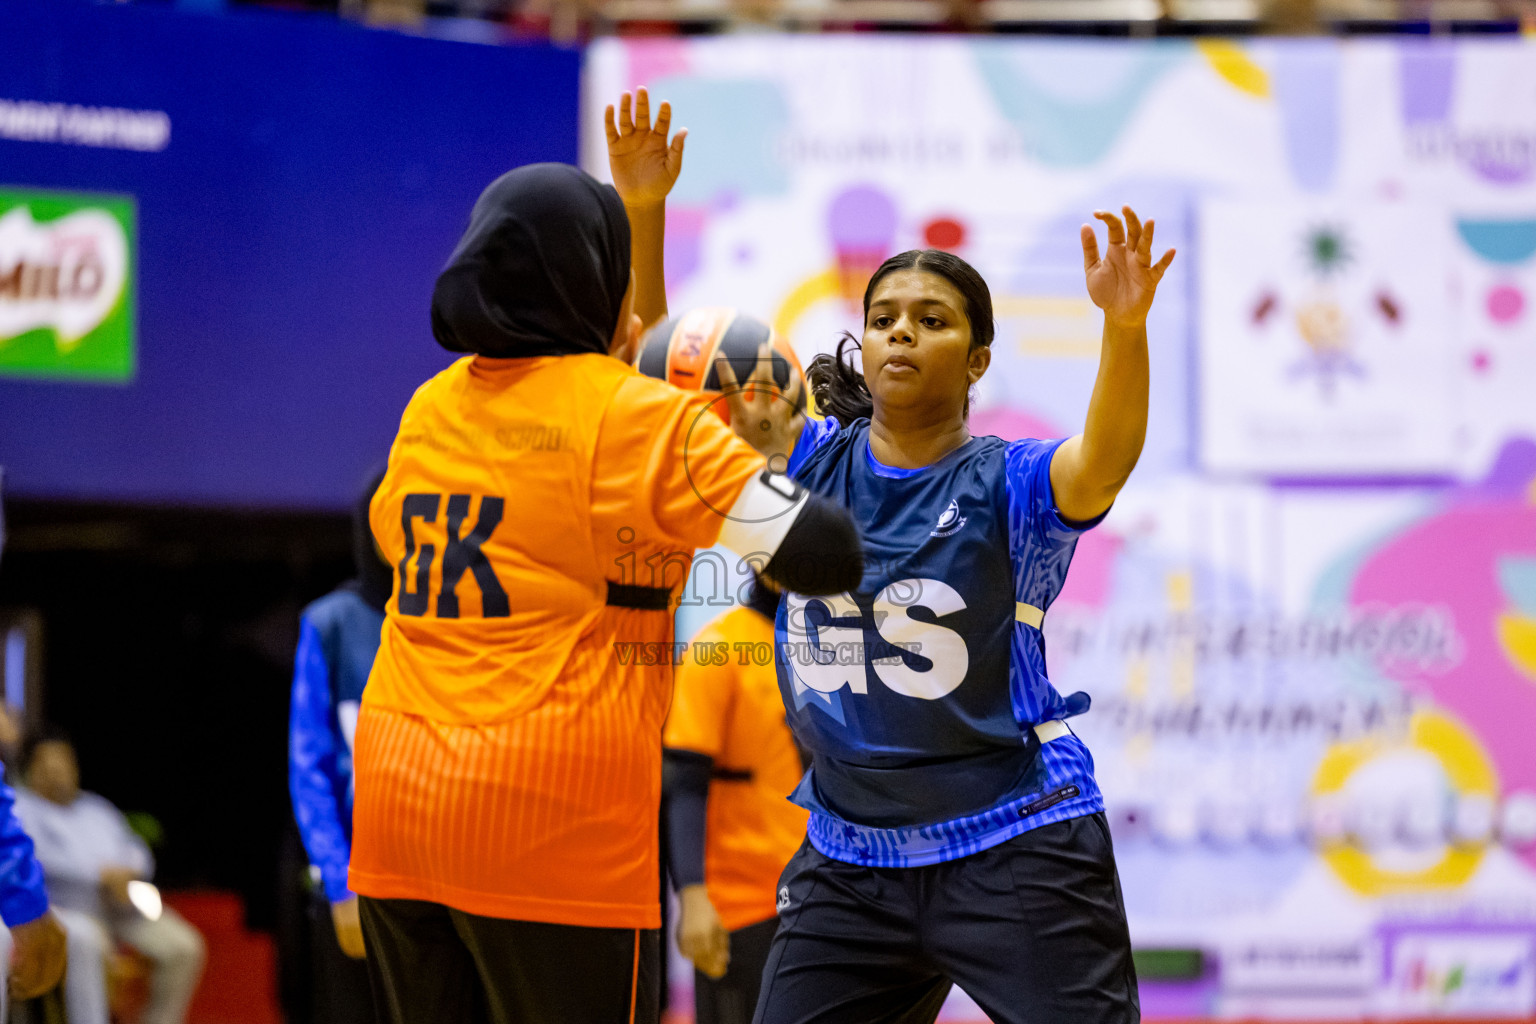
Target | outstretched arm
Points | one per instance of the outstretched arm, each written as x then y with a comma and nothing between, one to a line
645,167
1088,470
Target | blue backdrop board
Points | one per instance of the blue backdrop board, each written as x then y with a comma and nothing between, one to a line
218,237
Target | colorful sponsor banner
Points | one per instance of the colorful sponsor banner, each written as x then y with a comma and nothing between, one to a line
1309,624
67,285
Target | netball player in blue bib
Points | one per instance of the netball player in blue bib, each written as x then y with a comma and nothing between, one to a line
957,834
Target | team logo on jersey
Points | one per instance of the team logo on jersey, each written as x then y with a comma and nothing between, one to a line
950,522
783,897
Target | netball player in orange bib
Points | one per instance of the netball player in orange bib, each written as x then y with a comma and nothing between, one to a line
541,505
730,764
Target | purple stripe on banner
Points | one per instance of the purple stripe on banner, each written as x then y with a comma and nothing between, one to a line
1426,480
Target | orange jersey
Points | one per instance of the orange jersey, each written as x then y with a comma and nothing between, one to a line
733,713
507,754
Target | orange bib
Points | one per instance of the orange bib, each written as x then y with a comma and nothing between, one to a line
508,751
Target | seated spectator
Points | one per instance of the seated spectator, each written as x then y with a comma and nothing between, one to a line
89,856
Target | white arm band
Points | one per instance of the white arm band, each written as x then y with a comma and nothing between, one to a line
767,507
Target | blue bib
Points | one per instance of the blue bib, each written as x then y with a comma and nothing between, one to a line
917,695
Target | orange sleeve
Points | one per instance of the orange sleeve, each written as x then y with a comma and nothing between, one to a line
667,466
702,695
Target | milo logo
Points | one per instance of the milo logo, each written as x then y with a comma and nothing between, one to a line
66,285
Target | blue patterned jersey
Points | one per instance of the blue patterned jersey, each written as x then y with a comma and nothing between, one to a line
918,694
338,638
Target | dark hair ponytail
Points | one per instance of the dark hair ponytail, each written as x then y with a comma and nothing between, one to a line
840,390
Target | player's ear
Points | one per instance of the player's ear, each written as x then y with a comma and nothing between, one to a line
979,359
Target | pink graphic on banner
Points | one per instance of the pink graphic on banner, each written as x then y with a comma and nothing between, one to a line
1451,560
1505,303
1091,581
683,252
653,59
1011,424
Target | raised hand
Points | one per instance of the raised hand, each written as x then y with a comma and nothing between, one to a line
1124,281
644,164
763,414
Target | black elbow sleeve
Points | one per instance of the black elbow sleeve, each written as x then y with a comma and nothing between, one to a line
685,795
821,553
685,772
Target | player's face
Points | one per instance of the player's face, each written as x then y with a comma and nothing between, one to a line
917,344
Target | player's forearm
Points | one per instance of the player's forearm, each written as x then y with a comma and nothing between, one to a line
1116,426
685,796
647,232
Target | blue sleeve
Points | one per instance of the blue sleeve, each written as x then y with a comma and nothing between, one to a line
22,896
1032,510
313,780
813,435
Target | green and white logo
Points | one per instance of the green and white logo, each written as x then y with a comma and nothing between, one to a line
67,283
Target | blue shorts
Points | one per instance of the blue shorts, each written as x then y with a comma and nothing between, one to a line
1032,929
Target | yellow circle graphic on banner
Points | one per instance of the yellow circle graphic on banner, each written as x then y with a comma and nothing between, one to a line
1466,767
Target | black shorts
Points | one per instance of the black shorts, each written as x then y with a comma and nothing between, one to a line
431,963
1033,930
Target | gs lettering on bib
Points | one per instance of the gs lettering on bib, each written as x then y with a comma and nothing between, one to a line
828,623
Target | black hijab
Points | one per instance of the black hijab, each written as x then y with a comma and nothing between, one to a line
541,271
